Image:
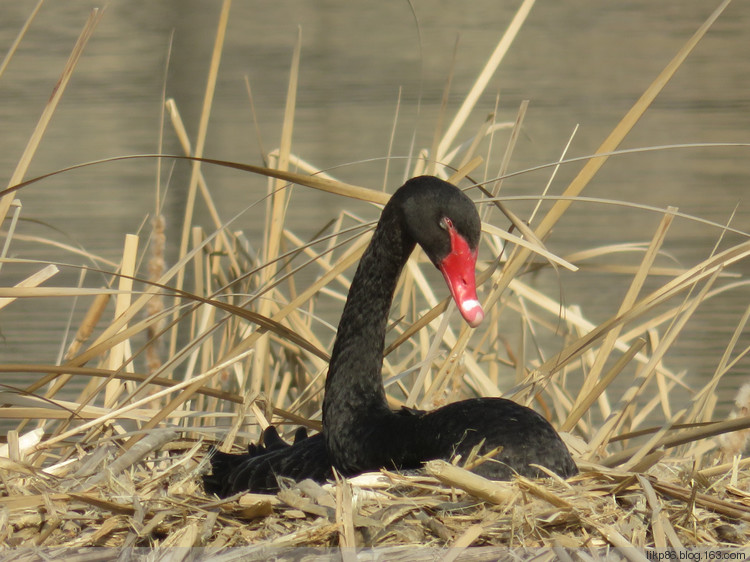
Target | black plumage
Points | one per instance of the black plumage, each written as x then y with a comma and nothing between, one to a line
360,431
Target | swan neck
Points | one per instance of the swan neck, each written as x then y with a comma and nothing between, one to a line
354,386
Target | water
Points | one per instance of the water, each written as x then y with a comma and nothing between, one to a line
578,62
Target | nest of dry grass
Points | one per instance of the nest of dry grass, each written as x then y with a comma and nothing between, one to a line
159,501
170,370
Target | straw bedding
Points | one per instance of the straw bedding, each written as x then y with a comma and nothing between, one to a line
159,502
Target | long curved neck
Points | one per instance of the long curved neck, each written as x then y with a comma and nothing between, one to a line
354,386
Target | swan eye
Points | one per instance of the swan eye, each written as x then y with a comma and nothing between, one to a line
446,223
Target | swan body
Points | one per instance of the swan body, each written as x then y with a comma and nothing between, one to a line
360,432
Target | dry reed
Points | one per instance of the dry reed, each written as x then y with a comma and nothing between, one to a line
118,463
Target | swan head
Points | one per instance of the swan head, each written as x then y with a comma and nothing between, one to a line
445,223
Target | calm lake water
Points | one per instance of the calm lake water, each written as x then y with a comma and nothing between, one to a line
579,63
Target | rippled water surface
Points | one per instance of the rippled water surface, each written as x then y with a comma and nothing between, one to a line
578,63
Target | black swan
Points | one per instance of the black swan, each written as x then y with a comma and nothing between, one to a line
360,432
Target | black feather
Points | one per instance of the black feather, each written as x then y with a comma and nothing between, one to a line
360,432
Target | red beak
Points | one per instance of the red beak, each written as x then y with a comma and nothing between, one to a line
458,270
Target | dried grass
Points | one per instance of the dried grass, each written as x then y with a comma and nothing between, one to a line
119,462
